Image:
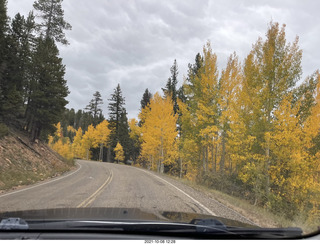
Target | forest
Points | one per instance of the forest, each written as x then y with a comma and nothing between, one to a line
251,129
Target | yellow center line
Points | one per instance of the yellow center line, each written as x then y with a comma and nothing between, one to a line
90,199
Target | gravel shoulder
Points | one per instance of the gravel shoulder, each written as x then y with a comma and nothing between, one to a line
221,204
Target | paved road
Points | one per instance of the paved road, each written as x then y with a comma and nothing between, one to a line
96,184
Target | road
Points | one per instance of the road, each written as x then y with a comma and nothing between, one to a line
97,184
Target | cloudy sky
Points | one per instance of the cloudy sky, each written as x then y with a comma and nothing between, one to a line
134,42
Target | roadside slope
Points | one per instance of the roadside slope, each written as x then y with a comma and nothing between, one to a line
24,163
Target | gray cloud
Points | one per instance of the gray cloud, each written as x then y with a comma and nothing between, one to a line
134,43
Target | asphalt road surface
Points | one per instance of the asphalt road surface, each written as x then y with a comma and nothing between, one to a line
97,184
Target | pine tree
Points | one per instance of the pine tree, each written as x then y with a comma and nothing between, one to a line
7,88
124,137
118,122
22,40
171,87
47,100
146,97
53,24
94,108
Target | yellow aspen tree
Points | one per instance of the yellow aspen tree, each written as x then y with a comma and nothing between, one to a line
149,151
159,132
190,143
71,129
312,130
60,144
189,148
229,88
89,141
101,134
135,132
119,153
271,69
207,110
290,172
78,150
58,133
64,148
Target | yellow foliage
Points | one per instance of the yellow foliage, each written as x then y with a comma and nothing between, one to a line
71,129
101,134
62,145
89,141
78,150
292,172
119,152
58,132
159,131
135,132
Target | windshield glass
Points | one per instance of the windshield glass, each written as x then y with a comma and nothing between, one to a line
167,111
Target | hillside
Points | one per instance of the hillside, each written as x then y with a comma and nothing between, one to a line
24,163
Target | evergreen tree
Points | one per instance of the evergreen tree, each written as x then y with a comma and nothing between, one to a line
118,122
146,97
145,101
6,87
47,100
116,106
124,137
94,108
171,86
53,20
21,40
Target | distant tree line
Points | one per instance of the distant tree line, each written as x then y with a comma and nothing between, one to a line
91,117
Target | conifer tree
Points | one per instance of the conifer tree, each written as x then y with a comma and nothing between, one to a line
146,97
118,122
53,25
94,108
49,89
171,87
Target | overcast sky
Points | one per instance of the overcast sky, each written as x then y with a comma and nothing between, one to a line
135,42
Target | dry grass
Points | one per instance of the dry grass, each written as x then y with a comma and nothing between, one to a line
24,163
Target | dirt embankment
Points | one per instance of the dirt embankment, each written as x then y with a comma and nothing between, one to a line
23,162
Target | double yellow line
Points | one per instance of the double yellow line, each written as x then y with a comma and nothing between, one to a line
90,199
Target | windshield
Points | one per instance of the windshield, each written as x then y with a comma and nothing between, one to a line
169,111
